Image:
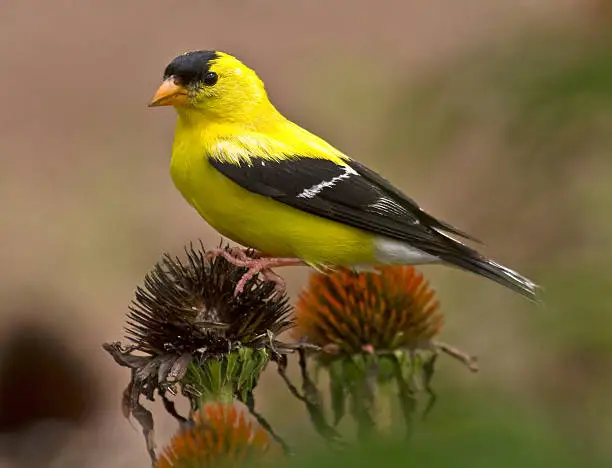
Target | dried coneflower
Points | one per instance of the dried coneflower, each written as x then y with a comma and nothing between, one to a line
189,332
219,434
373,328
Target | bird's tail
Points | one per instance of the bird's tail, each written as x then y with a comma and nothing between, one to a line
500,274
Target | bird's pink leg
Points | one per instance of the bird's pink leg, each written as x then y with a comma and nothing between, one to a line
255,265
233,255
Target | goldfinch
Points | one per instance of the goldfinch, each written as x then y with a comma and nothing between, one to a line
270,185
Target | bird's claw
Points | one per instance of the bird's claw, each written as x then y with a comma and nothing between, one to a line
256,264
235,255
264,267
269,275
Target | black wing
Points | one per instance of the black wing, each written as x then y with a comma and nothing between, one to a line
351,194
409,204
358,197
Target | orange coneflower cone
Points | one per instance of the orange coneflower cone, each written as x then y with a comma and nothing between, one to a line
377,332
350,312
219,435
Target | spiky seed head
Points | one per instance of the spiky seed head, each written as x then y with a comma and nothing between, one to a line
190,305
347,311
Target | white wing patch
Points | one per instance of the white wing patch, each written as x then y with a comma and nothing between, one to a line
318,188
387,206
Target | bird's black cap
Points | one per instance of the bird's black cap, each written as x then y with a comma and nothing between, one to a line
191,67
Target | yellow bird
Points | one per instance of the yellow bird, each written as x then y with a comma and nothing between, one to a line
270,185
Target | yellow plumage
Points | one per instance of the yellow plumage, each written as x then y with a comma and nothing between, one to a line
268,184
251,219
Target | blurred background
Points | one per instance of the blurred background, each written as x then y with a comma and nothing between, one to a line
494,115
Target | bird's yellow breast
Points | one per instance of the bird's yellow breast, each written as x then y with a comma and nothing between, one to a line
257,221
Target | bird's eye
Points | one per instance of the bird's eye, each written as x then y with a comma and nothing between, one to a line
210,78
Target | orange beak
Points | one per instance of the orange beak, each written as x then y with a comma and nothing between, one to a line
170,93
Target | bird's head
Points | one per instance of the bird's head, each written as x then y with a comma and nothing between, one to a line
211,83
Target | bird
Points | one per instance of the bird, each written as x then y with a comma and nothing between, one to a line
288,196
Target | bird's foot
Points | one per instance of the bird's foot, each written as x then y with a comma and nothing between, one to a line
232,255
256,264
264,266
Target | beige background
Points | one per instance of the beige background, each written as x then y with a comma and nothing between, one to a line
87,205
